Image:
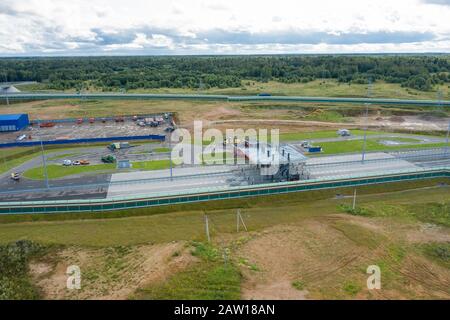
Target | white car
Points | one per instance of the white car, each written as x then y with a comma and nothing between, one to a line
67,163
344,132
76,163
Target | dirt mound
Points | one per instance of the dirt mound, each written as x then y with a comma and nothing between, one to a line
221,113
397,119
109,273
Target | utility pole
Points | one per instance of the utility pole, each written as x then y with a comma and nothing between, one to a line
369,87
447,138
6,91
170,155
441,108
354,200
237,221
4,161
240,220
207,228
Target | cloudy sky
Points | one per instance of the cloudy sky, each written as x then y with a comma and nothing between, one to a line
110,27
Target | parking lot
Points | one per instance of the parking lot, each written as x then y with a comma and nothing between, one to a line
99,128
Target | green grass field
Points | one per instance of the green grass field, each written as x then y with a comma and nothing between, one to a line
13,157
330,88
320,87
152,165
161,150
321,134
208,279
59,171
185,222
372,145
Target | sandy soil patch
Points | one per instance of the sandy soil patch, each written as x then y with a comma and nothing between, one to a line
326,261
110,273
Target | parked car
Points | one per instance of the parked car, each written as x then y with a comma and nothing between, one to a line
15,176
305,144
21,137
76,163
344,132
84,162
67,162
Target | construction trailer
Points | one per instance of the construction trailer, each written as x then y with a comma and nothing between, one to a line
13,122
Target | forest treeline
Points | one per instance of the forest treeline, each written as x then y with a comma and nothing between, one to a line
420,72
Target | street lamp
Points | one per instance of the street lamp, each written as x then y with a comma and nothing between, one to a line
369,87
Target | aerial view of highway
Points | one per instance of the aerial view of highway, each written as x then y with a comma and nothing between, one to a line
234,159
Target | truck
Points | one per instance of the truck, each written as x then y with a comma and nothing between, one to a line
314,149
118,146
108,159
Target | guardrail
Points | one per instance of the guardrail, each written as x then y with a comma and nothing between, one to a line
139,201
128,96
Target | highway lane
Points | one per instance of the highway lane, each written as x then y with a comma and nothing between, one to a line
192,178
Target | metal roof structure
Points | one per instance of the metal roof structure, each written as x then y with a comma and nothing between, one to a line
10,117
265,154
8,89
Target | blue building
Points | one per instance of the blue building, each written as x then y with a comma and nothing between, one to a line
13,122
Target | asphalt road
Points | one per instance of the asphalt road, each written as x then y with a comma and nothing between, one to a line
95,185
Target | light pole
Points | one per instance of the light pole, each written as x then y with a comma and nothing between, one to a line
369,87
6,89
45,165
447,138
440,106
170,155
43,158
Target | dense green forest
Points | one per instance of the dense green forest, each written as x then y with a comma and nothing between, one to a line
124,73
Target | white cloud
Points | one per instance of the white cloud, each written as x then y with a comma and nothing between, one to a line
233,26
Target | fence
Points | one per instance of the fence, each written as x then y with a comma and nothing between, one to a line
85,140
127,96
